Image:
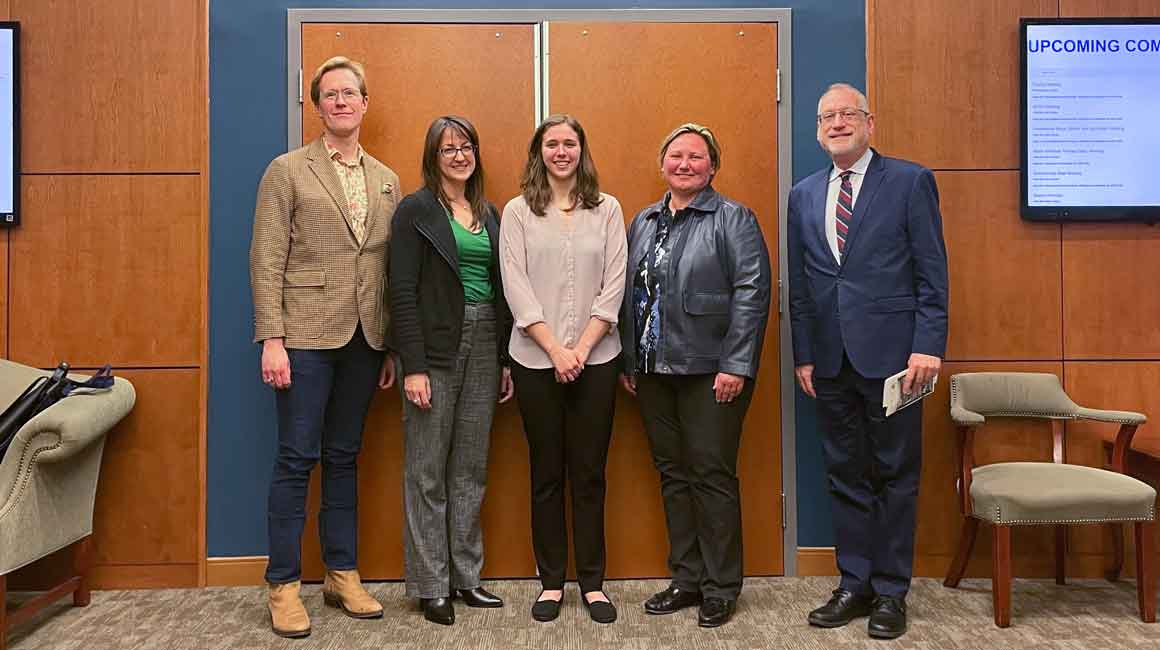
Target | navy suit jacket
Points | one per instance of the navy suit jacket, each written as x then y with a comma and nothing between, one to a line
888,297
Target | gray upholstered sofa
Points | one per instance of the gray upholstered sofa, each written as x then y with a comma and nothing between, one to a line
48,483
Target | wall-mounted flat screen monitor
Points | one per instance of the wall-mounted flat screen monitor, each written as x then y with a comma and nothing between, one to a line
1090,109
9,123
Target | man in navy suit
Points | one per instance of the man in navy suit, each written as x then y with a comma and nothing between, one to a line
868,298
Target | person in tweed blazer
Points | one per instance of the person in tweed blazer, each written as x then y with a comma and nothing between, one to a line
318,273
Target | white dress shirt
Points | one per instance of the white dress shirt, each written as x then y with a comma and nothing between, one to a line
859,169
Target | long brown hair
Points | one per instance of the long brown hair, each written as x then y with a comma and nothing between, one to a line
534,184
432,177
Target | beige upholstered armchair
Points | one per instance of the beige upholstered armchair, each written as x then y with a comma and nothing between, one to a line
1042,493
48,483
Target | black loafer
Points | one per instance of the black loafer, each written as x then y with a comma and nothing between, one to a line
715,612
888,619
546,610
601,611
843,607
480,597
671,600
438,610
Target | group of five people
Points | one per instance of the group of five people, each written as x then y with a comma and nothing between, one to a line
554,303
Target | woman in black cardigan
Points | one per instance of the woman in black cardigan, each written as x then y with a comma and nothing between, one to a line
450,328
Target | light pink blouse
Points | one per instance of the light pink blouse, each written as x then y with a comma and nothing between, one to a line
562,270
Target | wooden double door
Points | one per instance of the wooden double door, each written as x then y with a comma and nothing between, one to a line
629,84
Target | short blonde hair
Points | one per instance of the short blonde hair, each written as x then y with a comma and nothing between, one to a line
703,131
336,63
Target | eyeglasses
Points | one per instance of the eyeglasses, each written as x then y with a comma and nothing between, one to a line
468,150
848,115
348,94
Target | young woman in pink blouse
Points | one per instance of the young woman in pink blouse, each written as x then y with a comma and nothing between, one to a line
563,253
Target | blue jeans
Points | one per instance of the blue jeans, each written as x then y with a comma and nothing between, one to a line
320,415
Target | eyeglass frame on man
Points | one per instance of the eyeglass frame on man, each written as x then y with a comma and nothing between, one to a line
449,152
848,115
348,95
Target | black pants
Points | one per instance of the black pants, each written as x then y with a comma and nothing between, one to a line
872,465
569,427
694,446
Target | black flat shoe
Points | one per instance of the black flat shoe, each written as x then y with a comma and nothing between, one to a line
715,612
601,611
480,597
546,610
888,620
671,600
438,610
843,607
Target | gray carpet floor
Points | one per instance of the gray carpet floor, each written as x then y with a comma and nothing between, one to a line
1086,614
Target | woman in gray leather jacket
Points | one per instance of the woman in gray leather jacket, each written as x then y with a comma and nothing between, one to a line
692,324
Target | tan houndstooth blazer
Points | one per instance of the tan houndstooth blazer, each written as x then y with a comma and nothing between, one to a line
312,282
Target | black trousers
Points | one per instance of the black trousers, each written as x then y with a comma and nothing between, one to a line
569,427
872,466
694,444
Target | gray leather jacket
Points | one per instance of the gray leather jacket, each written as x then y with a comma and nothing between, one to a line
716,295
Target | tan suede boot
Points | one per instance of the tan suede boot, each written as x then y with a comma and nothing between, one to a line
344,589
288,616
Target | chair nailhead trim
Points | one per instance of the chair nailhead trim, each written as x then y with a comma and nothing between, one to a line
1025,522
24,472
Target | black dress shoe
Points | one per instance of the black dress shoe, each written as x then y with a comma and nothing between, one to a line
601,611
715,612
546,610
438,610
480,597
888,620
843,607
670,600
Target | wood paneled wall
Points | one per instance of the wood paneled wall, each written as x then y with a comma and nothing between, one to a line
1076,300
109,265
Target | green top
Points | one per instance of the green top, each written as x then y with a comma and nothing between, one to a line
474,263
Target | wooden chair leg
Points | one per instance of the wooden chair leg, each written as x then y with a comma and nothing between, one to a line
1061,554
4,612
1001,574
1113,572
82,563
966,543
1145,570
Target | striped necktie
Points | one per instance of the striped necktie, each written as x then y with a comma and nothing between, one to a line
844,211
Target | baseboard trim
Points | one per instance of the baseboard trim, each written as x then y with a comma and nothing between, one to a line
235,571
816,561
144,576
821,561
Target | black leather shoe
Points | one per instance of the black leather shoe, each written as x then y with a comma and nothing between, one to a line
600,611
546,610
715,611
843,607
480,597
671,600
888,620
438,610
